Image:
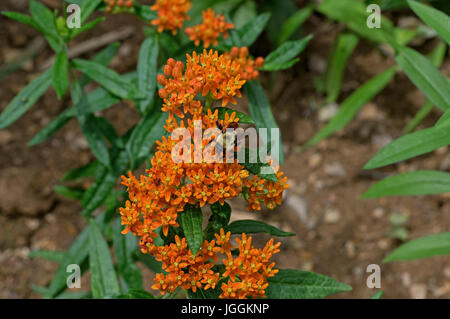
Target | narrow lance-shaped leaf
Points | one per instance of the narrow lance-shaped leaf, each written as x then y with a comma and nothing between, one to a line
255,226
108,78
293,23
297,284
192,219
278,59
22,18
52,255
25,99
423,247
436,19
124,246
436,57
261,113
44,18
411,183
350,107
89,125
144,136
105,179
425,76
345,44
411,145
77,254
251,31
87,7
354,14
147,68
104,57
60,74
103,276
98,100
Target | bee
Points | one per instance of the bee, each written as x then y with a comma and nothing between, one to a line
227,139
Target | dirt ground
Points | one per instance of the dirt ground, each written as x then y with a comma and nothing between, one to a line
338,234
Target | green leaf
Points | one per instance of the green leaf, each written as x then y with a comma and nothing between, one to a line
149,261
89,125
136,294
144,136
205,294
444,120
25,99
219,218
294,22
88,26
377,295
261,113
52,255
350,107
44,18
104,57
258,167
108,78
411,183
243,118
192,219
246,12
345,44
251,31
296,284
436,57
74,295
98,100
80,172
103,277
254,226
69,192
124,247
60,74
411,145
105,179
423,247
144,12
277,59
425,76
426,108
87,7
76,254
436,19
108,131
147,71
354,14
22,18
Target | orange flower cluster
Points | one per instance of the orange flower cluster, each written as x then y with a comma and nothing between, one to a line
156,198
245,275
218,76
171,14
210,29
112,4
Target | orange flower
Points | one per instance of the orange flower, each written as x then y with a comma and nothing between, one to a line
113,5
218,76
171,14
210,29
246,274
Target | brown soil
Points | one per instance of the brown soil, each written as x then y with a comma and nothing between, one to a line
338,234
